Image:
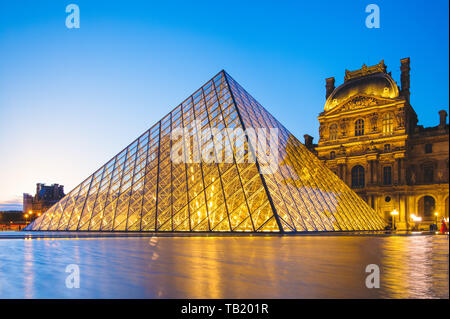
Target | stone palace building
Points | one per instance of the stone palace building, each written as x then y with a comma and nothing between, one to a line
370,138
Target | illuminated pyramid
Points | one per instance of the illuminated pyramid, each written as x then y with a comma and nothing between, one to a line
147,188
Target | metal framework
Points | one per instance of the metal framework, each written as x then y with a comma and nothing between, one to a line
142,189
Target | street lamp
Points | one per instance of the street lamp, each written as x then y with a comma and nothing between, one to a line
436,214
393,214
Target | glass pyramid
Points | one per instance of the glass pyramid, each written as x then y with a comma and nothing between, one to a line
144,189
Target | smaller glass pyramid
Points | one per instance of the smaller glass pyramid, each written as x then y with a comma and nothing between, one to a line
162,182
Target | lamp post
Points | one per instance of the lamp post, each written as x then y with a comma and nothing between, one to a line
393,214
436,214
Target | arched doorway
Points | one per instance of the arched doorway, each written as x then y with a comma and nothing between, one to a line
427,206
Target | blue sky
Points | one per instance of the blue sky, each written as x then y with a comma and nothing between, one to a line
70,99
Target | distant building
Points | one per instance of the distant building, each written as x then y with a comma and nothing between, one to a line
369,137
45,197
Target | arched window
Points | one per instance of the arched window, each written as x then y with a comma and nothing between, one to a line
358,176
359,127
388,124
332,155
427,206
333,132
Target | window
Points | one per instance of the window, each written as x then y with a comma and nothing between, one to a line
333,132
359,127
427,206
387,148
388,123
358,176
428,148
428,173
387,175
332,155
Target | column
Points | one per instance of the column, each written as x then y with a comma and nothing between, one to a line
375,174
395,175
345,179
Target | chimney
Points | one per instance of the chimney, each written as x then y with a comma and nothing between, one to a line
55,190
442,118
404,77
38,189
329,86
308,140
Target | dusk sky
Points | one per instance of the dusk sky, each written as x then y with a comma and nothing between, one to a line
70,99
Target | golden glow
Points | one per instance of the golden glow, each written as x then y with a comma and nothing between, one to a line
142,189
416,218
394,212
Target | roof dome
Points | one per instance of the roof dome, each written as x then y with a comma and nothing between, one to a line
378,84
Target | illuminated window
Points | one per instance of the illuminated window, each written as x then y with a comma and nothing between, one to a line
358,176
388,123
359,127
333,132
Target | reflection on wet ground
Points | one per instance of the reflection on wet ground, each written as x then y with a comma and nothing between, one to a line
226,267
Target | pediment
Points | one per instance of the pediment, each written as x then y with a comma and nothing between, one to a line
359,102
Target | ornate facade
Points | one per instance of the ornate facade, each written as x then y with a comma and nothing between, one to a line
369,137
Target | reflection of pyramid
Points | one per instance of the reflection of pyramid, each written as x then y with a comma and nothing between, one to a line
143,189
